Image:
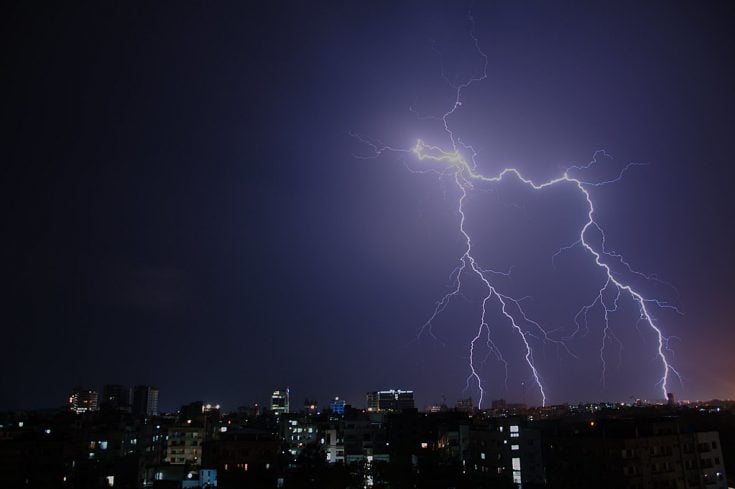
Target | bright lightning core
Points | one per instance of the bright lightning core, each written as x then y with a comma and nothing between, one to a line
465,175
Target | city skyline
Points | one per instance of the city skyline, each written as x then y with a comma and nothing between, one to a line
390,444
187,205
135,399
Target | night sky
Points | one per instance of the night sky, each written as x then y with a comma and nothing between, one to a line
182,205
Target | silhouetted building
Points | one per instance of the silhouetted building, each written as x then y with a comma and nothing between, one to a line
500,451
192,413
365,439
115,396
465,405
391,400
83,400
498,405
632,454
145,400
254,410
244,458
280,401
299,430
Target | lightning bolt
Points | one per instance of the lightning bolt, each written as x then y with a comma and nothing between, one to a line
465,175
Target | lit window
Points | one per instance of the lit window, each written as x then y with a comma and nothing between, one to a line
482,456
516,463
514,447
424,445
514,429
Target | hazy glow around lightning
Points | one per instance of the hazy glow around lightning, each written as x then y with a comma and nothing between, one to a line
465,175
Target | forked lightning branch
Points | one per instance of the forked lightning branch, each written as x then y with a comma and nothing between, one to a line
460,164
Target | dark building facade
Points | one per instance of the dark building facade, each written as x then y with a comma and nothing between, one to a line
632,454
145,400
115,396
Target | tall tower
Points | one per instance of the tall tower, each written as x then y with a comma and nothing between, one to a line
145,400
279,401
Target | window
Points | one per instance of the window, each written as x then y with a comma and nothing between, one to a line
516,463
514,447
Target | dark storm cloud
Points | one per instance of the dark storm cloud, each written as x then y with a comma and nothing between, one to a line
154,289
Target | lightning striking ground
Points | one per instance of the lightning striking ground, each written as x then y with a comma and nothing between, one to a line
465,175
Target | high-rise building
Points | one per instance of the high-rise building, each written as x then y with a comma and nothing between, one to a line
145,400
279,401
115,396
390,400
82,400
465,405
337,406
